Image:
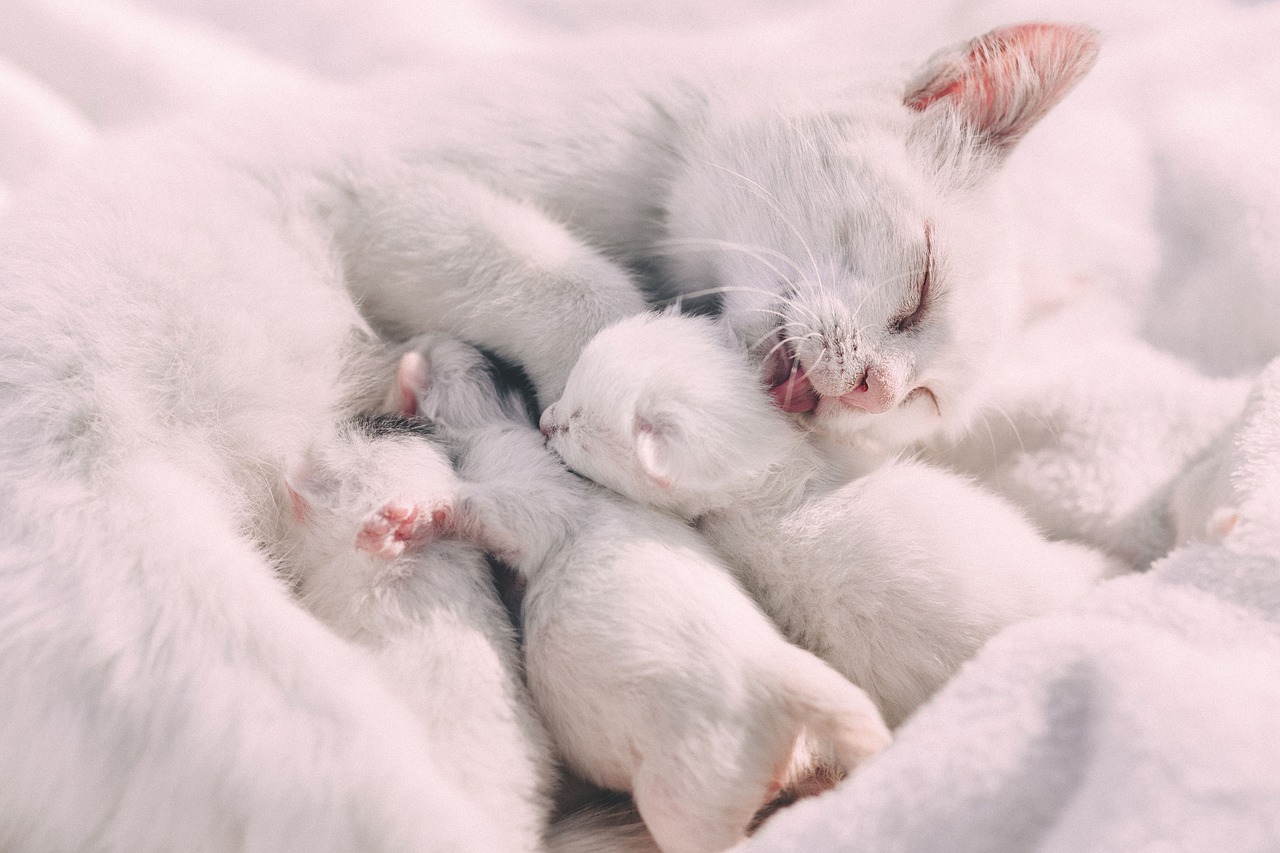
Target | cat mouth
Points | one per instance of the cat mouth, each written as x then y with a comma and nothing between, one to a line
788,382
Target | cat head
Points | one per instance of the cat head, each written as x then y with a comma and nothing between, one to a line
855,234
667,411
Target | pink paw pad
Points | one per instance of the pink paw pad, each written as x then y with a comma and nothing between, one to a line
398,525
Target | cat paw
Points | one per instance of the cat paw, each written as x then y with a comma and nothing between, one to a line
397,526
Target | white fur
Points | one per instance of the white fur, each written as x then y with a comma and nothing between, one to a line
1232,493
171,693
192,308
894,578
1089,446
180,321
654,672
821,220
427,610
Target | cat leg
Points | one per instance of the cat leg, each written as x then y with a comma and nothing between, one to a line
431,249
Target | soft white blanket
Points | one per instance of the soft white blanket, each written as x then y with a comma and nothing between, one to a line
1136,415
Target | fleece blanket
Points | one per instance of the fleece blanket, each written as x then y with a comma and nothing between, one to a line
1138,413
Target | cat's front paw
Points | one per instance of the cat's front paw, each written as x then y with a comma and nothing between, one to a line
399,526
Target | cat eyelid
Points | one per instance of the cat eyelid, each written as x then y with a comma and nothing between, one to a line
909,320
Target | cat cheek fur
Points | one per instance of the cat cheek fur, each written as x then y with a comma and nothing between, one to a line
923,161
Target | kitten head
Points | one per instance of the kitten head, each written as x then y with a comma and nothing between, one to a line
665,410
856,234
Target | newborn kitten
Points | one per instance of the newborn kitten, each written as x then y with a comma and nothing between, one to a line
894,578
654,672
367,505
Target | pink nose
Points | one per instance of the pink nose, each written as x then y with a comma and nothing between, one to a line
872,395
547,424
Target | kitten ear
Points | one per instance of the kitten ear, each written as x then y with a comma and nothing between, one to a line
298,486
1000,84
652,448
412,378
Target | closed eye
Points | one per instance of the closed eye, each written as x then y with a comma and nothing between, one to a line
909,320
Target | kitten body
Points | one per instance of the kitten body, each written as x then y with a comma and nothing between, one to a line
367,504
895,578
655,673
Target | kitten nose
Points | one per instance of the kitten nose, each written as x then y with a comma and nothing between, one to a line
545,425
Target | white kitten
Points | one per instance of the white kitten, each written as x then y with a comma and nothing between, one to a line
366,505
654,672
894,578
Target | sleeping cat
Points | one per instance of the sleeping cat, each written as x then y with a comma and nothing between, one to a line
654,672
895,578
191,307
852,231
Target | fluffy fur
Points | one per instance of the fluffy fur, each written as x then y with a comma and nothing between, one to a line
894,578
655,673
1091,447
190,309
367,504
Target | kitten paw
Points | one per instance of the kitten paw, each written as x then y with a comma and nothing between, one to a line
397,526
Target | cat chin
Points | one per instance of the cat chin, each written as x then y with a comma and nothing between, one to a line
916,418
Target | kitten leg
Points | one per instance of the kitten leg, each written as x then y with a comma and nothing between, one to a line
400,525
429,613
430,249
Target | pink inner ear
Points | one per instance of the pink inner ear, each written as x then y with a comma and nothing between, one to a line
648,453
1005,81
411,380
297,503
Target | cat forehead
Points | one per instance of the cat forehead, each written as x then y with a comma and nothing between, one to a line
839,182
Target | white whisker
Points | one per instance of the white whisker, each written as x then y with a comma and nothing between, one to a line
769,199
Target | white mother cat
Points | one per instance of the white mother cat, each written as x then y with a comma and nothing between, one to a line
180,319
854,231
895,578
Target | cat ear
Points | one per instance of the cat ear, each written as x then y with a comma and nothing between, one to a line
297,486
412,378
651,443
1000,84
